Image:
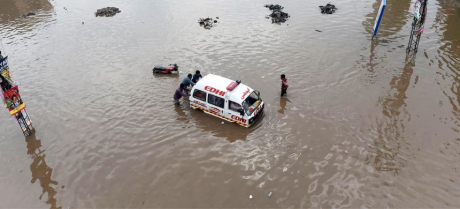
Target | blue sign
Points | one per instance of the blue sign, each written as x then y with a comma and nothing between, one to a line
379,16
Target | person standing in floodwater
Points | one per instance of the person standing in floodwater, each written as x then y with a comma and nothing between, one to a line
188,81
179,93
197,76
284,85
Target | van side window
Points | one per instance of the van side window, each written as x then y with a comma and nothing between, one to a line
233,106
215,100
198,94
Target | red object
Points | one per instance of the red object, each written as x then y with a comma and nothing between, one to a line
214,90
284,84
245,93
169,70
232,85
13,100
166,70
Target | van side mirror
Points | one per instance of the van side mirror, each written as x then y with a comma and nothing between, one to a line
258,93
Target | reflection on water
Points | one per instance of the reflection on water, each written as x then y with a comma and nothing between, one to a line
391,129
40,170
449,53
209,123
220,128
387,145
283,102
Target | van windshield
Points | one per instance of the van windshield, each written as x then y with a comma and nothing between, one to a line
251,103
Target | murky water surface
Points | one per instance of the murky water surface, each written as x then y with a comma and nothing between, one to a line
362,125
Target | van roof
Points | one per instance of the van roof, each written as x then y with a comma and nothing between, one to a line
221,84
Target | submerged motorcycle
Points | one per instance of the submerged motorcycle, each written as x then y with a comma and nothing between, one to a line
172,68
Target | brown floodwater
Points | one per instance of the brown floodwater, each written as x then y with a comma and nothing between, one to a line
363,125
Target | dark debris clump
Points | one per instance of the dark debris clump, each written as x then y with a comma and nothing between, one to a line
277,15
28,14
107,12
207,23
274,7
328,9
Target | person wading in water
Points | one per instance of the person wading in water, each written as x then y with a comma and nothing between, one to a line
179,93
284,85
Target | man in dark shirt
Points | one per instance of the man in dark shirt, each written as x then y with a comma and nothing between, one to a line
1,57
197,76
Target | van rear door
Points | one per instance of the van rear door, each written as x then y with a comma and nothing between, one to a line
198,99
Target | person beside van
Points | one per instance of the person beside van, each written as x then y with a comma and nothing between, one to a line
1,57
284,85
188,81
179,93
197,76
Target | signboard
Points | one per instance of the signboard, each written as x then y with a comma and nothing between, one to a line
13,100
419,16
5,78
379,17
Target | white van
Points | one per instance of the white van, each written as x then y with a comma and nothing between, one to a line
227,99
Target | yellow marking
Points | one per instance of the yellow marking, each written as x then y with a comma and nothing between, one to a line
22,106
220,116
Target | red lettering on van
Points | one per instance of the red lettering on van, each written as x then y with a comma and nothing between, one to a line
257,110
215,110
214,90
234,117
245,93
199,103
222,93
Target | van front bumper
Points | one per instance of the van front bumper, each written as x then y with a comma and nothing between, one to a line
253,119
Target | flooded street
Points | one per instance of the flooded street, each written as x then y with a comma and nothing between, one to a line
362,125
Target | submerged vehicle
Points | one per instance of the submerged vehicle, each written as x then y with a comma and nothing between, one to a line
166,70
227,99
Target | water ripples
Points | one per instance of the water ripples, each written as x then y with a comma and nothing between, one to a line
356,129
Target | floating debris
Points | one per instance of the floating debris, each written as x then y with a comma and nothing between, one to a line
270,194
277,15
328,9
28,14
107,12
318,31
207,23
250,197
274,7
